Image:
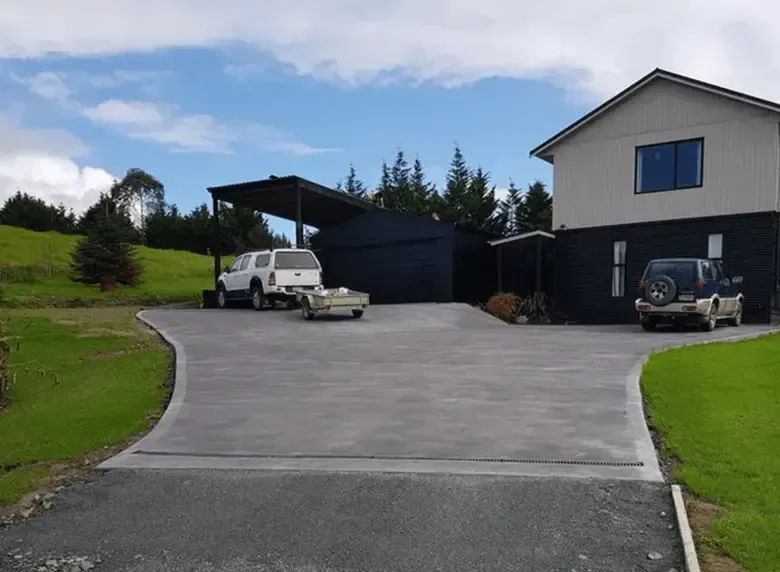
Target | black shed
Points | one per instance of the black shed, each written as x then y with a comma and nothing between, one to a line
405,258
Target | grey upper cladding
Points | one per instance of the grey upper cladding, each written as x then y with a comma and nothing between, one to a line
541,150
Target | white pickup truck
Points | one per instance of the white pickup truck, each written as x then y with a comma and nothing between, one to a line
269,276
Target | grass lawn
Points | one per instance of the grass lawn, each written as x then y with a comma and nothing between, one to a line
717,409
35,269
86,379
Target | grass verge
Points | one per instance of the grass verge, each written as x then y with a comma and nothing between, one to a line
87,381
716,408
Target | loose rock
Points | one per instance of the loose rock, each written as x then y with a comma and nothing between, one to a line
655,556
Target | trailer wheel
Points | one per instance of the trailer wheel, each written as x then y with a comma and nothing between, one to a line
357,313
306,312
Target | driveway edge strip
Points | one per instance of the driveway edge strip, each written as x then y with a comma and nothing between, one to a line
635,411
689,548
174,406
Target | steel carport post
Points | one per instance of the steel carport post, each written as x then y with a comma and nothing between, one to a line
216,241
298,216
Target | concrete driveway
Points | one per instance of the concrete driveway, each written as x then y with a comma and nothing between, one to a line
363,410
417,388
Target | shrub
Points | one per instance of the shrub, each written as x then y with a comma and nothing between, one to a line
536,308
503,306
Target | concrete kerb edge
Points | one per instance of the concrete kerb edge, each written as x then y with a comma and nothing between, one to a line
686,536
174,405
646,451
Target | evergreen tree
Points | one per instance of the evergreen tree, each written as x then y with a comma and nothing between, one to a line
383,195
353,185
422,194
508,211
105,256
107,206
25,211
399,198
481,203
455,195
537,208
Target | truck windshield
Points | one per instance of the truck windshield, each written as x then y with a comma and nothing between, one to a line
682,272
296,260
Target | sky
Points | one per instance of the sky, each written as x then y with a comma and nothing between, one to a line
203,93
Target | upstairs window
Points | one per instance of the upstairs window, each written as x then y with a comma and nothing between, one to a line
669,166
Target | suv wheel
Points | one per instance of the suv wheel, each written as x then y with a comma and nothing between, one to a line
648,325
222,301
660,291
258,298
711,320
736,319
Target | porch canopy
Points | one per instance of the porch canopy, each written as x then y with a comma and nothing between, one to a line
292,198
535,236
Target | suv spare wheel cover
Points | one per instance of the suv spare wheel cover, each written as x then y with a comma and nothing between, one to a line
660,290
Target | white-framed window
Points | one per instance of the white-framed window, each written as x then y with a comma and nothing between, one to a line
715,246
619,268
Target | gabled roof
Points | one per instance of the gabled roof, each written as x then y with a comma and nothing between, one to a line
654,75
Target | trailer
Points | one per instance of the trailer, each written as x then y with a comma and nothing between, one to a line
313,302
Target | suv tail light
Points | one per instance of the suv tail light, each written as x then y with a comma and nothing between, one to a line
272,279
320,276
700,284
641,284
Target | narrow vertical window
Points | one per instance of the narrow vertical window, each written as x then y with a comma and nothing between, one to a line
715,246
619,268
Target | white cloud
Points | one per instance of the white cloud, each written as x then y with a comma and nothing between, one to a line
161,122
40,163
598,46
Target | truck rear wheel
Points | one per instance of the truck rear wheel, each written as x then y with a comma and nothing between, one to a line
357,313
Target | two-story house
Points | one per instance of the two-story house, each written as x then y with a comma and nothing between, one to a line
671,166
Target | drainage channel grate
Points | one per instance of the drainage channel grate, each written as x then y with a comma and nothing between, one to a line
396,458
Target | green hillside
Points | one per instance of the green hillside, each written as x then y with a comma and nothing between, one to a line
35,269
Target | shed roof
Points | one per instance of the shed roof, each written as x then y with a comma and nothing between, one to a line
321,207
523,236
541,150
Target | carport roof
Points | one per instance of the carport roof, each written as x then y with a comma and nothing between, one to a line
321,207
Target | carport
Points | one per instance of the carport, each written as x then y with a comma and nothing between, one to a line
292,198
513,263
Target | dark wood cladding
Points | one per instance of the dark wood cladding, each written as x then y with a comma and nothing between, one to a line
583,262
407,258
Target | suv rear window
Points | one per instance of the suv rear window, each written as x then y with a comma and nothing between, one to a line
295,260
683,272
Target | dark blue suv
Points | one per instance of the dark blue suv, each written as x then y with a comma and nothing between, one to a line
689,290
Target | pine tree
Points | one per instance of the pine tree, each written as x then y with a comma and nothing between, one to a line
400,196
508,211
353,185
537,208
108,206
481,203
383,195
105,256
457,188
422,194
